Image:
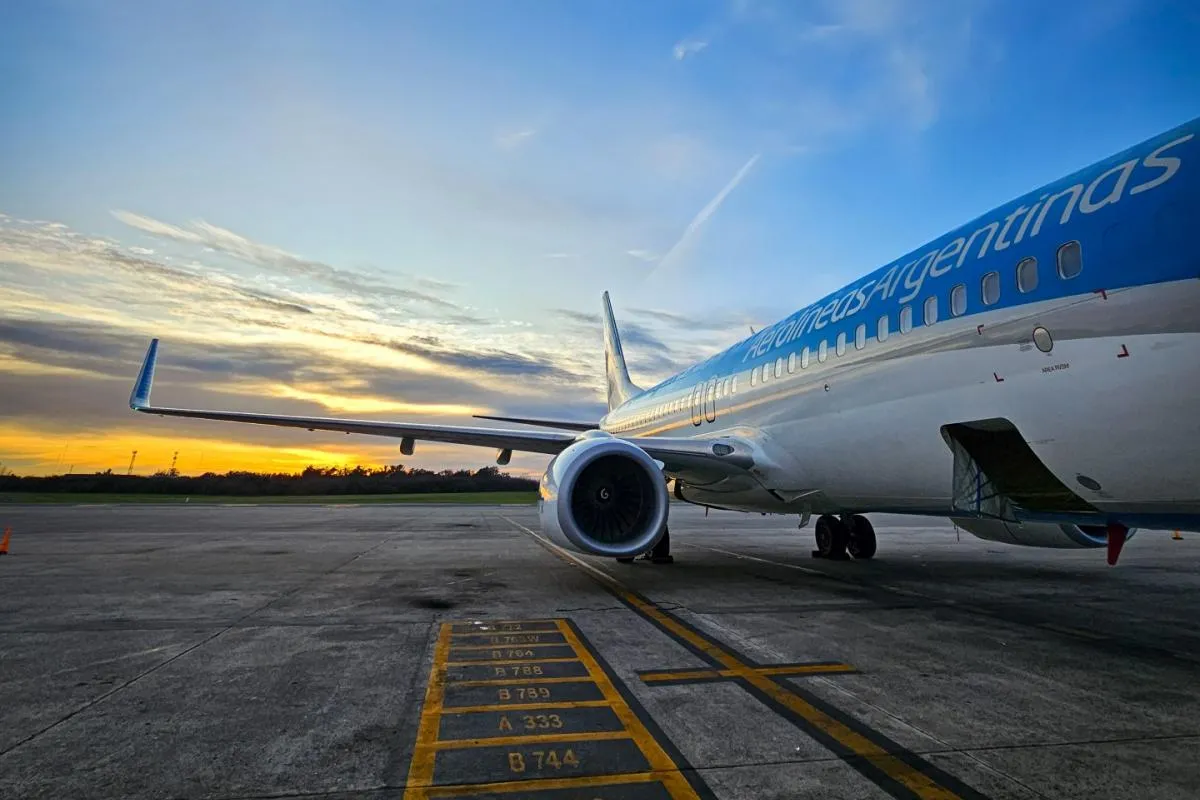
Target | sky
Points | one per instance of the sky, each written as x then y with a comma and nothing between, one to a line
408,210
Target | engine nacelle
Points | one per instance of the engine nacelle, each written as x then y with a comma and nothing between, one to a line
1037,534
603,496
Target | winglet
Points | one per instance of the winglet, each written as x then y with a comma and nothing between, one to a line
139,400
620,388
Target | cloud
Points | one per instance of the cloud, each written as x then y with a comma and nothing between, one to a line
688,47
642,255
239,247
510,140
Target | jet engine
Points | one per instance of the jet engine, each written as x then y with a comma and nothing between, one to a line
603,496
1037,534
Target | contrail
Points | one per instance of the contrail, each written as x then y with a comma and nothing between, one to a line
700,219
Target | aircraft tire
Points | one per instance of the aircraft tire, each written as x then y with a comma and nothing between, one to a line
624,560
862,544
832,538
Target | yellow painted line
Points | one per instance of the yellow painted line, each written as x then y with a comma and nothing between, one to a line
537,738
519,681
527,706
690,675
542,784
717,674
658,759
458,647
495,662
915,781
805,669
420,773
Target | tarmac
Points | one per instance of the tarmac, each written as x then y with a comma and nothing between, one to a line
448,651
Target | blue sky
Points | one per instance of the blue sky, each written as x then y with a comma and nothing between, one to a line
445,188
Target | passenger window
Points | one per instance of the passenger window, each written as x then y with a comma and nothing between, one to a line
753,376
841,343
733,385
766,373
991,288
804,358
860,336
822,351
791,363
779,367
882,331
906,319
1070,260
931,310
958,300
1027,276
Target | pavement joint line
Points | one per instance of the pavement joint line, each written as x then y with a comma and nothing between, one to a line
655,763
899,772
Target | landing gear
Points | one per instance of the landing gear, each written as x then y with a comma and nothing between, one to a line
838,539
833,536
660,554
862,537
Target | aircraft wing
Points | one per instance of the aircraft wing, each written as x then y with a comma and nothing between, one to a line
673,453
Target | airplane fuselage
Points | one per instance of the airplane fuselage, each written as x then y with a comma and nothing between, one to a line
1058,333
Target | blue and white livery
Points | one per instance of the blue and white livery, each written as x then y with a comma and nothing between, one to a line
1033,375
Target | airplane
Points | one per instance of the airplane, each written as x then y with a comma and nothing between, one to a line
1032,375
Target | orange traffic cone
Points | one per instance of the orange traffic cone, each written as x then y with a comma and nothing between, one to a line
1175,535
4,541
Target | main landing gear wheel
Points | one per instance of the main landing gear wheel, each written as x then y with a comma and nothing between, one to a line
862,537
833,536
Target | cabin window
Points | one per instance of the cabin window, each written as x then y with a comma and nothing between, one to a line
733,385
822,351
1070,260
754,376
779,367
906,319
990,288
931,310
882,330
766,373
841,343
720,389
958,300
860,337
1027,276
792,363
804,358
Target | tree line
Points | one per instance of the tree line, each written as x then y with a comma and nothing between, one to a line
393,479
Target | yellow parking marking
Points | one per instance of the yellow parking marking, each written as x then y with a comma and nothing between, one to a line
510,662
526,706
515,681
893,767
594,736
721,674
544,784
466,750
420,773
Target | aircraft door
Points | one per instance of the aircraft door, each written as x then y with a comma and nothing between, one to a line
697,395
